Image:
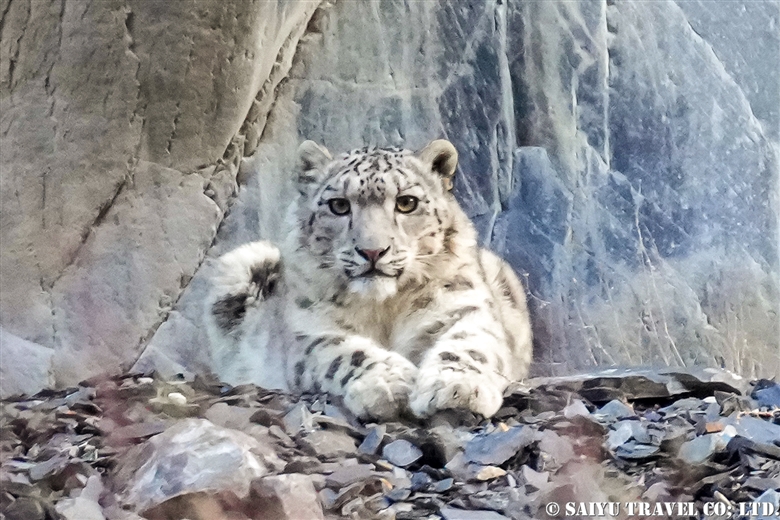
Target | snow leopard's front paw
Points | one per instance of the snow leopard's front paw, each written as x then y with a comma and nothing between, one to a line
441,387
382,390
245,276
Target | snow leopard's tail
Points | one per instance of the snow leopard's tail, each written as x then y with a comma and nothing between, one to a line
244,278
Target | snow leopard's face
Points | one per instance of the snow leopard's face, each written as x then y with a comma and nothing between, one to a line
377,218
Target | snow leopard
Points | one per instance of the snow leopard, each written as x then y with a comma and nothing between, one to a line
379,294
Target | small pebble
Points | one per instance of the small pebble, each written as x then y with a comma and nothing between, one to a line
421,481
443,485
490,472
177,398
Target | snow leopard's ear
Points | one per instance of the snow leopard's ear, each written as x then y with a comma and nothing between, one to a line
442,158
312,160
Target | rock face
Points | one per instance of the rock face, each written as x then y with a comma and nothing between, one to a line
624,159
119,152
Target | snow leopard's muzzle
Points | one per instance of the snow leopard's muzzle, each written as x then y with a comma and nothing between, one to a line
369,263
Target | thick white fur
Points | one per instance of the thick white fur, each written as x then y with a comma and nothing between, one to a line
442,324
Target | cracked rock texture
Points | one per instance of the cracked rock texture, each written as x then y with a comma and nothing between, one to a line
119,151
622,156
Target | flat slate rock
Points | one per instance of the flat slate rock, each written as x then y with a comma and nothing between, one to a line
328,444
644,383
346,475
451,513
767,393
401,453
497,447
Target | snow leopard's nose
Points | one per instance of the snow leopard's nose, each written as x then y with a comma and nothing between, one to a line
372,255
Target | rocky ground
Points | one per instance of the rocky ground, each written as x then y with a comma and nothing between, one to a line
139,447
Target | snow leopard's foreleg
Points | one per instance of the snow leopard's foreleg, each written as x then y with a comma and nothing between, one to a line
374,382
466,361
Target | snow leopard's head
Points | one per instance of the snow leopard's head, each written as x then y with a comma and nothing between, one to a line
377,218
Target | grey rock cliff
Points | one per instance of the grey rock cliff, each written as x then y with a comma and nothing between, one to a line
622,156
118,137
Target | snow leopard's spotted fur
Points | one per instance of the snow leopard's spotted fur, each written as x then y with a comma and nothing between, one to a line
390,307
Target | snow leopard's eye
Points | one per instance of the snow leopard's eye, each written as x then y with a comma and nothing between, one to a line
406,203
339,206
